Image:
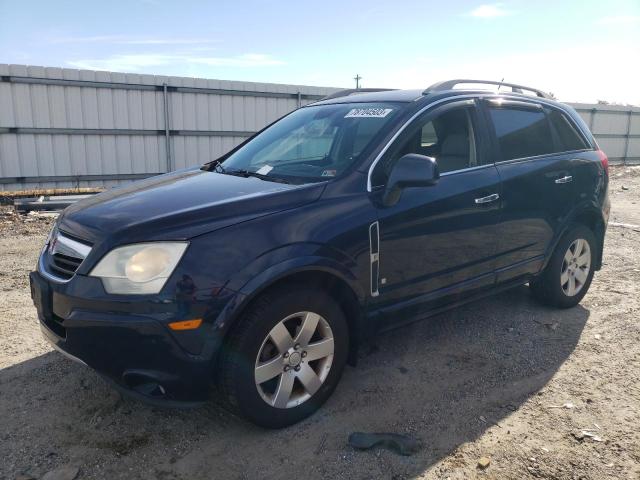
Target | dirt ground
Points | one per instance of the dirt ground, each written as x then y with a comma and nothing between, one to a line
503,378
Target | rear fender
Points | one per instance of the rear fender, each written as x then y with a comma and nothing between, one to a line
582,211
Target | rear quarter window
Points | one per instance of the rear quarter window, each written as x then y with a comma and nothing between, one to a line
521,133
570,138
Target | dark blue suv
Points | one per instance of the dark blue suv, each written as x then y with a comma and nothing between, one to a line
257,275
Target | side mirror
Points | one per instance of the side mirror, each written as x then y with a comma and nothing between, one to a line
411,170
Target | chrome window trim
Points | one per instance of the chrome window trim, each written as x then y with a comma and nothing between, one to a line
538,157
471,96
477,167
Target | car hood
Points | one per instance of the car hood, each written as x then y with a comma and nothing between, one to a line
180,205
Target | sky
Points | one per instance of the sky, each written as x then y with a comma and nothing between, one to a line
581,51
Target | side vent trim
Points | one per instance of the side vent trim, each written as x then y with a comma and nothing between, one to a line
374,257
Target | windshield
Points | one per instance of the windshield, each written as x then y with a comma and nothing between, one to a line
312,143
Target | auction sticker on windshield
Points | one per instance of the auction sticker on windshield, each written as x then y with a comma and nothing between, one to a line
264,170
368,112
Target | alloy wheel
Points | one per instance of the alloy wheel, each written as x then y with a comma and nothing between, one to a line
294,360
575,267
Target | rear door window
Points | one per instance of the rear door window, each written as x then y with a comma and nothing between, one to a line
521,132
570,138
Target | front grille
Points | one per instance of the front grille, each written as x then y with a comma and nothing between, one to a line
64,266
63,256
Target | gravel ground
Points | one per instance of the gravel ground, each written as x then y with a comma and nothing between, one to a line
503,378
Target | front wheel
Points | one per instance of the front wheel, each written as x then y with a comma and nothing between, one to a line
568,275
285,356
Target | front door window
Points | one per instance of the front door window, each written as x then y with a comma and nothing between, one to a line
448,137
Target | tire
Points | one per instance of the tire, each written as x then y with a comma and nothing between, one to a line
258,347
563,283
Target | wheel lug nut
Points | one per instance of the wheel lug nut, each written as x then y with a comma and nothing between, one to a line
304,354
297,368
286,368
286,354
296,347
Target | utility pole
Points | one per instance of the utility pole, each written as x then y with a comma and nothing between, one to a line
357,78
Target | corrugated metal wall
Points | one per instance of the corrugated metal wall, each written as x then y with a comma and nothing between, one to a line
616,128
64,128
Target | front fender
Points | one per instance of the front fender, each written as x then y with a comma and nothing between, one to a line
303,264
267,269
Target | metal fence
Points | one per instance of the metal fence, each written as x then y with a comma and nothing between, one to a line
62,128
616,128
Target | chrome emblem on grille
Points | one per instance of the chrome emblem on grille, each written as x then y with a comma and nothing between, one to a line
63,245
52,244
61,256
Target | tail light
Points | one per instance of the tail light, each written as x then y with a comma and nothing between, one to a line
604,160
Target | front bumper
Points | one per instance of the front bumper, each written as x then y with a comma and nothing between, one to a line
129,342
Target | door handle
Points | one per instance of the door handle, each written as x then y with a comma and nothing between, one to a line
565,179
488,199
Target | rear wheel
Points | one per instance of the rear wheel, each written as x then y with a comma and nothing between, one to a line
285,357
568,275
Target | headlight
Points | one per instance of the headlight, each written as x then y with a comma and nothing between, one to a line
139,269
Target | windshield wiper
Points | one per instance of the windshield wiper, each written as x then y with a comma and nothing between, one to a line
214,166
249,173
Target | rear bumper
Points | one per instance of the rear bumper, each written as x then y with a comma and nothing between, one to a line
136,352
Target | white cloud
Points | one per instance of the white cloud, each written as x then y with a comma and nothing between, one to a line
167,41
122,63
619,20
126,40
490,11
246,60
142,62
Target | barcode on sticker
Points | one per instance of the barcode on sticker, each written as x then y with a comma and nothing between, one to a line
368,112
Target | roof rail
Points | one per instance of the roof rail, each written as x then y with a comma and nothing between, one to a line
354,91
449,84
